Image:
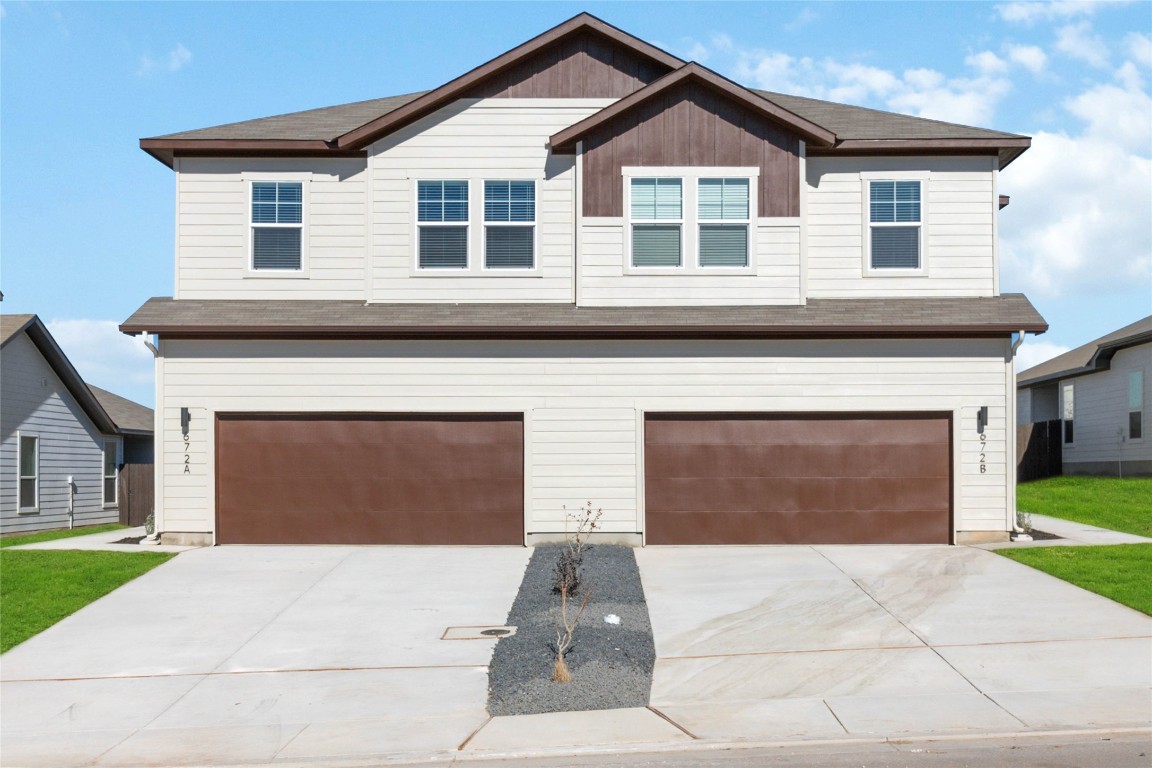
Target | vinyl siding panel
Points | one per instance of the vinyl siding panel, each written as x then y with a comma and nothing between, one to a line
1101,426
582,403
36,402
959,248
499,138
212,229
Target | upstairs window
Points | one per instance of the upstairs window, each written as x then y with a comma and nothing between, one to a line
723,213
1069,413
277,225
442,224
657,210
1135,405
110,473
509,224
895,225
29,472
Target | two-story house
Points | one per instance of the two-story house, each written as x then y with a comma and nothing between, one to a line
586,271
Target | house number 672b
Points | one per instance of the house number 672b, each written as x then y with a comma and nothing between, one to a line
983,453
187,456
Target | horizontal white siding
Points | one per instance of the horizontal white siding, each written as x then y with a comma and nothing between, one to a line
35,402
1101,425
604,281
212,229
476,140
582,402
961,203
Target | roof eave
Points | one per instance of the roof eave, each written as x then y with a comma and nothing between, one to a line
1101,360
429,102
166,150
1007,148
40,336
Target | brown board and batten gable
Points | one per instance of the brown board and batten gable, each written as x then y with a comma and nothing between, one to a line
692,117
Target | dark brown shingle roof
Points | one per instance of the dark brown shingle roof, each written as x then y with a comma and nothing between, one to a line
129,416
1095,355
992,316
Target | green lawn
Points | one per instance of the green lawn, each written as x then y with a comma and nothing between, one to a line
1118,571
32,538
1109,502
40,587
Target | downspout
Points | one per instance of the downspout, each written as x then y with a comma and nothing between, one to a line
1011,428
71,503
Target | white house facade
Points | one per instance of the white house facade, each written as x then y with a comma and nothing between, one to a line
586,271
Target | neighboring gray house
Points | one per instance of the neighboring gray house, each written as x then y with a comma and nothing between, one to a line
53,426
1100,394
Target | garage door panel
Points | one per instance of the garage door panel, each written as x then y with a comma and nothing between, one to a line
827,478
370,480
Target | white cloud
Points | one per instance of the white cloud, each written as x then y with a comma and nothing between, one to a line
987,63
105,357
174,61
1119,114
1030,57
1035,352
1032,12
1077,41
1139,48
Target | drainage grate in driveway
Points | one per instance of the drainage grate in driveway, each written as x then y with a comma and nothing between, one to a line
477,633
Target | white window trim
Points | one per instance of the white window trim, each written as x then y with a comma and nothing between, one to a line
35,508
476,227
689,220
303,179
118,458
866,216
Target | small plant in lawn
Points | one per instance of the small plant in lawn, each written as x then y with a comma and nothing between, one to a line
578,526
150,524
1024,521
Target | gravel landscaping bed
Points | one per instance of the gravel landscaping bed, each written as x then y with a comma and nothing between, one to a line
611,664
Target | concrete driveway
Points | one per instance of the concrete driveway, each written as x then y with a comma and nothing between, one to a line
243,654
772,643
327,655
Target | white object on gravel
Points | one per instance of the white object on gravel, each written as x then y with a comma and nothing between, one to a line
612,618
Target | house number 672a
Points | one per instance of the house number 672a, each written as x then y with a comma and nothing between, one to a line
187,456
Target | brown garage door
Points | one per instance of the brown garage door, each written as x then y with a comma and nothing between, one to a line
798,479
369,479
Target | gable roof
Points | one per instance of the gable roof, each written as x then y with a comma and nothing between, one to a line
346,130
129,416
996,316
86,397
1091,357
565,140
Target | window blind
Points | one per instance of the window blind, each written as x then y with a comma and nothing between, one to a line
277,202
443,248
896,247
657,199
442,201
895,201
656,245
723,198
508,248
275,248
723,245
511,201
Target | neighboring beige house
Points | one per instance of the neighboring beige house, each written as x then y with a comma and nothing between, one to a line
586,271
54,427
1101,394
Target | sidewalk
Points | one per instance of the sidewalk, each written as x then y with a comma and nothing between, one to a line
1072,534
106,541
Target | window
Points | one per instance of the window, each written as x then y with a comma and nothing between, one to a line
657,209
29,472
723,216
1069,413
442,224
1135,405
895,232
509,224
110,473
277,225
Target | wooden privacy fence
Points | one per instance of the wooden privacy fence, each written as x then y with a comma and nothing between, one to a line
137,493
1038,451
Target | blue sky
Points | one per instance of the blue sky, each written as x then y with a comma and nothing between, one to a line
86,217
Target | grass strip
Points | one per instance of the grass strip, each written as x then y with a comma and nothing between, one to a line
1119,504
34,538
1118,572
40,587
